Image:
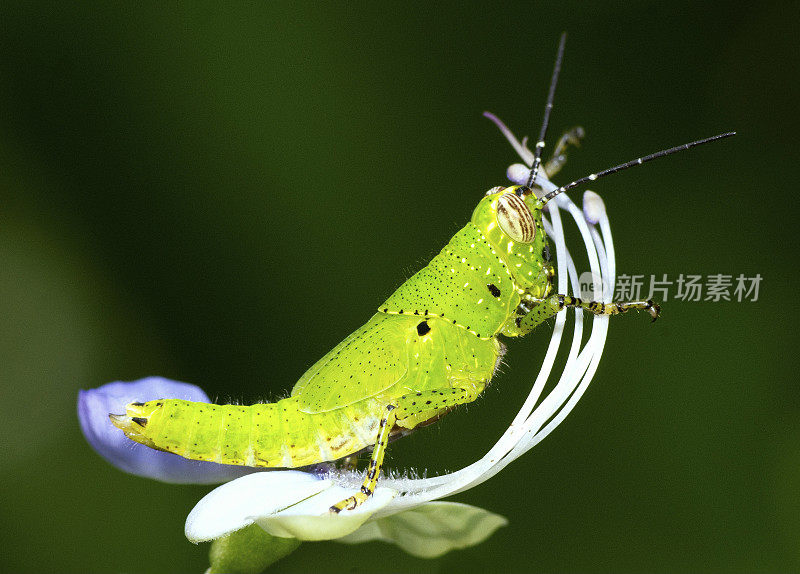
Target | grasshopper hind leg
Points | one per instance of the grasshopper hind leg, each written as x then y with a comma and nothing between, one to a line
427,404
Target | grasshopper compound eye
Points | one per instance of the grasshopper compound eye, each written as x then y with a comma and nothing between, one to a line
515,219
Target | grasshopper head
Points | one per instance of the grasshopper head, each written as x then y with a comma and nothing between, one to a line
511,220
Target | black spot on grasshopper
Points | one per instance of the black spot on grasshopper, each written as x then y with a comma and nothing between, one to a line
493,290
142,422
423,328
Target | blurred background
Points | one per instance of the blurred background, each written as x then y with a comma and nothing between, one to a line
220,194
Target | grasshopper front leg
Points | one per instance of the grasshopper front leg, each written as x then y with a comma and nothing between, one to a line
411,405
543,309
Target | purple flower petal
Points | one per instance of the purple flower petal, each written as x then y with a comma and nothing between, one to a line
94,407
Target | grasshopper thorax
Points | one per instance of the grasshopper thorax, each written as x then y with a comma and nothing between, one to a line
510,218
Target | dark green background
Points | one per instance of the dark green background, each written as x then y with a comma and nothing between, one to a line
219,195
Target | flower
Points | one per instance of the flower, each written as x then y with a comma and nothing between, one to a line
93,408
300,508
293,504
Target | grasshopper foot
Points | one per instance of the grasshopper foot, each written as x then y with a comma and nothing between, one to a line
654,309
351,503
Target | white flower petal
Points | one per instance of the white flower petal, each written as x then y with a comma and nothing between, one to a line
235,505
311,519
432,529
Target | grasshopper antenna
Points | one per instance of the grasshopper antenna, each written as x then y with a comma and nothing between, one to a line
632,163
537,154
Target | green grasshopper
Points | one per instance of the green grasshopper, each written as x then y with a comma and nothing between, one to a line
434,344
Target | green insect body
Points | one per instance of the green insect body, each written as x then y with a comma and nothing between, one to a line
435,339
433,345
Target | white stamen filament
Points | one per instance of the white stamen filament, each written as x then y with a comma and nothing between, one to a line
520,147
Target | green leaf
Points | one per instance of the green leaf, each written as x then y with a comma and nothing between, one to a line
431,529
248,551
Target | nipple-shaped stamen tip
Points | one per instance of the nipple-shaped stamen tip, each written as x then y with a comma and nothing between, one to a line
593,207
518,173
